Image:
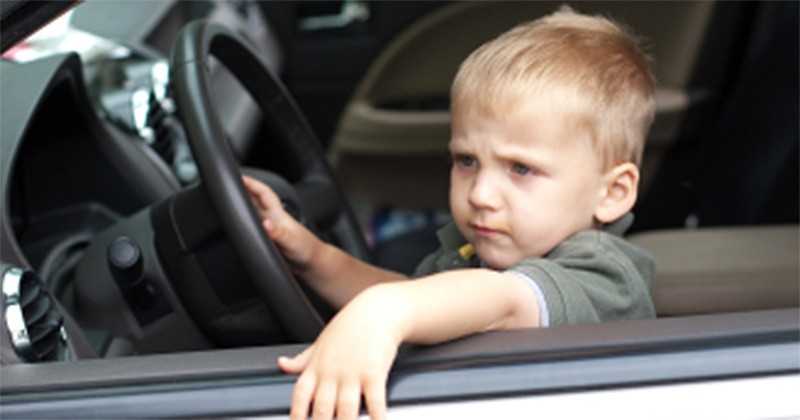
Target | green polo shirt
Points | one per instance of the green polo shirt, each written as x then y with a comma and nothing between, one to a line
593,276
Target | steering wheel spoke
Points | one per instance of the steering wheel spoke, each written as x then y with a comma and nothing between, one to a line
316,199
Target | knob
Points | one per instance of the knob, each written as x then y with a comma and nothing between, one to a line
125,260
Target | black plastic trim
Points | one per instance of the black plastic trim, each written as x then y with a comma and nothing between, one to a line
507,363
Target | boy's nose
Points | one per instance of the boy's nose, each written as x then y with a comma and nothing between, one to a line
484,192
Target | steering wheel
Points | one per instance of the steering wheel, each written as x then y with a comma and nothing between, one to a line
315,199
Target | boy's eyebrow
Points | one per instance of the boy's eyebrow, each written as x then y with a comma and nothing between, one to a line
527,158
519,153
455,146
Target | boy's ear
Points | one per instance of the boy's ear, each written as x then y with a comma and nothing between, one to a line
618,192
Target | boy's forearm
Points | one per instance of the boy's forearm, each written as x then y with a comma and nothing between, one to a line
354,353
338,276
458,303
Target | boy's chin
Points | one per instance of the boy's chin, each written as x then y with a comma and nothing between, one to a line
495,260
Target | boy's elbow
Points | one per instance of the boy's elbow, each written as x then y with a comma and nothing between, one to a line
524,310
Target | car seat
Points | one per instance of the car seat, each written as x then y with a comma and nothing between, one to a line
740,251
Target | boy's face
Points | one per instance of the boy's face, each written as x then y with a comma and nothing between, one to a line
521,183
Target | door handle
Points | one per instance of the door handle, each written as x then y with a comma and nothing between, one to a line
351,12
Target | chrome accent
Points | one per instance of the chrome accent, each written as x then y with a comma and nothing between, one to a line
14,317
15,321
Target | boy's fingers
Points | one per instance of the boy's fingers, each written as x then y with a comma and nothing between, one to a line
301,397
375,399
296,364
253,187
288,365
275,233
247,181
324,400
261,192
348,401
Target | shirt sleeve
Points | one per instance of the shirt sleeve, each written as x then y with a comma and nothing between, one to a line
544,313
592,278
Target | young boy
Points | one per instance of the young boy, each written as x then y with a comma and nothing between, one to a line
548,126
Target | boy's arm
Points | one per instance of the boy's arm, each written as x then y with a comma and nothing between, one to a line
338,277
353,354
331,272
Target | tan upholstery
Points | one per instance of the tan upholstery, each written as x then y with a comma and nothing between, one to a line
713,270
420,64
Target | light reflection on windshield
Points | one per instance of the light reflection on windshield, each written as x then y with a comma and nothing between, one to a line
60,37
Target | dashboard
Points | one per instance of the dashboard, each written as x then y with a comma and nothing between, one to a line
89,131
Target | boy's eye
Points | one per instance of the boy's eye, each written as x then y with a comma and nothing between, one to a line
520,169
464,160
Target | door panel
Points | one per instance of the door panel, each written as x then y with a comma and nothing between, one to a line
324,62
398,115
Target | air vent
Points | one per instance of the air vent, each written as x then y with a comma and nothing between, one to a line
32,319
160,122
135,96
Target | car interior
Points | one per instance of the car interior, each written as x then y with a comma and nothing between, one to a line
125,224
397,118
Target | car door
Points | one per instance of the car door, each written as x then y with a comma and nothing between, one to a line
392,135
328,46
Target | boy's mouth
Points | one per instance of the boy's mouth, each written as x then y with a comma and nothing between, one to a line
485,231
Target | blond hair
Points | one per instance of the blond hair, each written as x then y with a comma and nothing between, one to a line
593,70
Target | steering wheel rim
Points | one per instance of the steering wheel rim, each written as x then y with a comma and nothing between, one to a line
220,173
